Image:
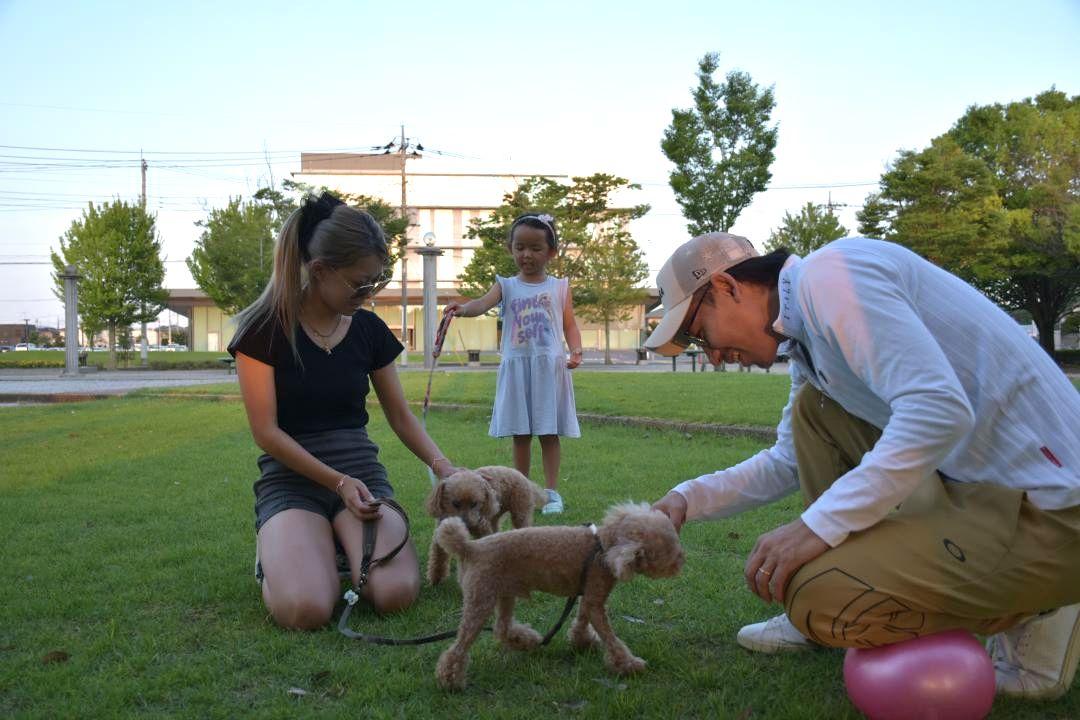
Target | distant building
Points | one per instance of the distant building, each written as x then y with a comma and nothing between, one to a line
442,203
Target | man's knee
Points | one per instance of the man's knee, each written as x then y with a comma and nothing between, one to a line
835,608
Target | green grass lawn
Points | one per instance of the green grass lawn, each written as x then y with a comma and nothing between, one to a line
128,541
726,398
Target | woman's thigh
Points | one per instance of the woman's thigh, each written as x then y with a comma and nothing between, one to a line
395,584
300,583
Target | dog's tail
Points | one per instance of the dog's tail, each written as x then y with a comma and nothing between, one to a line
453,537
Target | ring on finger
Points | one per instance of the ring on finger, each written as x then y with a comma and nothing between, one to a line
763,571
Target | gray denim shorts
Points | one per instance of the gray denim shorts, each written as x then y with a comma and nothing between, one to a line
347,450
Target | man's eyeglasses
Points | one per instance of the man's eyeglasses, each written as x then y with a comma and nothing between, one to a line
360,292
700,342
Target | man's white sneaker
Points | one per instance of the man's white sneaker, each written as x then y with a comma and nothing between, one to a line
773,636
554,504
1037,659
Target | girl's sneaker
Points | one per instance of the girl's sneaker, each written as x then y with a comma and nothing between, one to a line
554,504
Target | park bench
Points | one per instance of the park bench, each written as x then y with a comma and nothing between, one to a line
230,364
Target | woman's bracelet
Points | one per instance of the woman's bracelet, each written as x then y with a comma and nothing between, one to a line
340,483
575,351
436,459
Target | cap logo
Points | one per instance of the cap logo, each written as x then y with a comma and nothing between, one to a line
699,273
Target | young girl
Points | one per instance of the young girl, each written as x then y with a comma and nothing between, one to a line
534,393
305,352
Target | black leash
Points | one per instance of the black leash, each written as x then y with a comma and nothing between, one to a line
352,596
597,550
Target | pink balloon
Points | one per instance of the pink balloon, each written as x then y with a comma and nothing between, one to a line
945,676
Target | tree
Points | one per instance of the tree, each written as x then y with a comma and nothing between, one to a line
611,271
233,259
995,200
804,233
722,148
581,210
116,249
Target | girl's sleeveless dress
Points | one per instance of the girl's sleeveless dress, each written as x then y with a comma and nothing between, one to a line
534,394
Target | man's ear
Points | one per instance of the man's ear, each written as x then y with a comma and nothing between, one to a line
622,558
726,286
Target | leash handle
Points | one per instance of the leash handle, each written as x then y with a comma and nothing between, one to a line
440,334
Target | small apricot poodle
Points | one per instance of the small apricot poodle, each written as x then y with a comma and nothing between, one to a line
480,498
498,569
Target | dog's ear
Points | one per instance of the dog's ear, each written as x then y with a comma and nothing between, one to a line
492,501
622,558
435,499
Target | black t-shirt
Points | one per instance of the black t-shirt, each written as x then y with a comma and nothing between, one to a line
329,391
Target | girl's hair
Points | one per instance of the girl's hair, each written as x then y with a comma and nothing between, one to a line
538,220
323,229
763,270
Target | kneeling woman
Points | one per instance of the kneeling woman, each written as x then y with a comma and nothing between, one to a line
305,351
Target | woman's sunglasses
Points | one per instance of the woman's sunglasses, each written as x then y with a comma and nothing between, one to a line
360,292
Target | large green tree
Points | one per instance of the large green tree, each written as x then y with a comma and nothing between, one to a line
802,234
611,270
995,200
722,147
582,210
115,247
233,258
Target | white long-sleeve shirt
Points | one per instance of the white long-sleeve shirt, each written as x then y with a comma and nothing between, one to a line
954,383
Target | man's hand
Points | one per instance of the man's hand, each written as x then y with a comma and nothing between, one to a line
777,556
674,506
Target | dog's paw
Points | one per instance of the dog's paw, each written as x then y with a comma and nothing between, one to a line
450,672
521,637
625,665
583,637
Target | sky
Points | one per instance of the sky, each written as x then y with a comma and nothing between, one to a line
212,91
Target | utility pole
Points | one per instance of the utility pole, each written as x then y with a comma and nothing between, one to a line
407,152
144,358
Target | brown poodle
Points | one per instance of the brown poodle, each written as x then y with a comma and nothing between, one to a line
498,569
480,498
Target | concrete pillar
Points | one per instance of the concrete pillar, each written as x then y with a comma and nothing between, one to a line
71,320
431,310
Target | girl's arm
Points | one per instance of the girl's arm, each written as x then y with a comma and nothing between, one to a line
480,305
260,401
404,423
571,332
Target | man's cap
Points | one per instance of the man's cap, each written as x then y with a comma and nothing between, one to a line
689,268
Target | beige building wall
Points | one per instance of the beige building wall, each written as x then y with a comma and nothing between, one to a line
210,329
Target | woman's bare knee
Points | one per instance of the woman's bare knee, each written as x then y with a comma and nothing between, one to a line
300,612
394,594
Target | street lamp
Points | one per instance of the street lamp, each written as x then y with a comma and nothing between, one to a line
429,253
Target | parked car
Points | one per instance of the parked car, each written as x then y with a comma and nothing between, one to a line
6,348
25,346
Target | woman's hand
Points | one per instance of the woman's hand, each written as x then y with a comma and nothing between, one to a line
575,359
443,468
358,499
454,309
674,506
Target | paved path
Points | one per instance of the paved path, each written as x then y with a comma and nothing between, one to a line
48,381
20,383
